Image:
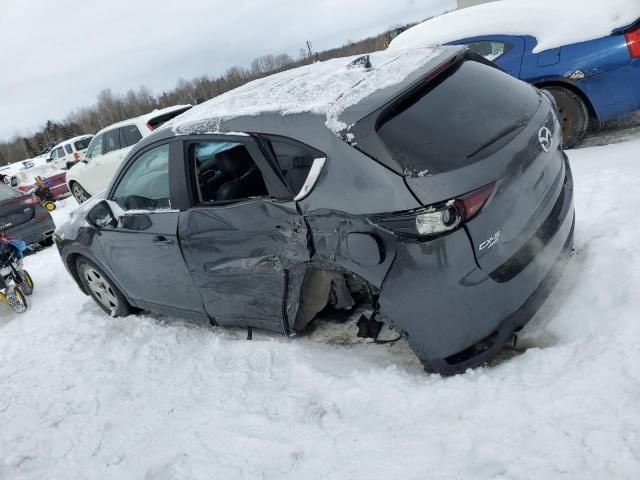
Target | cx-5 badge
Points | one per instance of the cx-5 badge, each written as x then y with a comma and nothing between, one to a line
490,242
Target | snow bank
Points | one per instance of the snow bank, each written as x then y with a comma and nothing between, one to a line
324,88
553,23
83,395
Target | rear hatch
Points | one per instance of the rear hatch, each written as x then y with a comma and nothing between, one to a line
81,147
16,207
472,127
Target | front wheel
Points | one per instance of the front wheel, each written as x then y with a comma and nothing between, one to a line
573,112
102,289
79,193
17,300
26,282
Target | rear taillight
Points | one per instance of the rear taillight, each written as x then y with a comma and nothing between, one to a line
76,155
150,127
438,219
473,202
633,41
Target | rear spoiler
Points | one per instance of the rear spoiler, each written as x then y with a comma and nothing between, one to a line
626,29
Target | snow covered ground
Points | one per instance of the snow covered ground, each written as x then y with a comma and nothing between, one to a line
83,395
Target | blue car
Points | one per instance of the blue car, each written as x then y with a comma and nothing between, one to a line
592,81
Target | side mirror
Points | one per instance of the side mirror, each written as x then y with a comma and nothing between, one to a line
101,216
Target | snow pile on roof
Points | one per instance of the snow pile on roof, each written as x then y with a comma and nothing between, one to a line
323,88
553,23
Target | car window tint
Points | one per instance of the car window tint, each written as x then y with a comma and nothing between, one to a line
6,192
145,185
294,159
430,133
68,149
225,172
95,147
112,140
490,49
82,144
131,135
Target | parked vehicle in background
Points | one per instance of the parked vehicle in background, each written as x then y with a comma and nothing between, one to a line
22,216
109,147
587,61
56,183
66,154
424,185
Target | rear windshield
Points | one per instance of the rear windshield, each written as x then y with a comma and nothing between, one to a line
445,126
82,144
7,192
156,122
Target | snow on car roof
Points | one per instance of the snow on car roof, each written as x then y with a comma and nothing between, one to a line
323,88
553,23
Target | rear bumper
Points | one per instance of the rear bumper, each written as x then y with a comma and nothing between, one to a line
34,231
456,315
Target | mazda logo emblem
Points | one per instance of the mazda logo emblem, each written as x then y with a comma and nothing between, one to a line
545,137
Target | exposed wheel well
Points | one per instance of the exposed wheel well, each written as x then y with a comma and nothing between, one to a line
570,86
71,263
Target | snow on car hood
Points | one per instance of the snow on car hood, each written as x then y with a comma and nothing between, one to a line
323,88
553,23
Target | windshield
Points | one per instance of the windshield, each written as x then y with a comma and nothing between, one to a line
444,126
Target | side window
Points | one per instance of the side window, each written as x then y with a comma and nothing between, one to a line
59,152
95,147
112,140
68,149
491,50
294,159
225,172
131,135
145,185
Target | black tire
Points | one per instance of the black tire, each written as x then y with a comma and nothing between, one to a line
79,193
102,289
17,300
26,283
574,114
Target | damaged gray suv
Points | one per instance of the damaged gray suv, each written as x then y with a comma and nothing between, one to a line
424,184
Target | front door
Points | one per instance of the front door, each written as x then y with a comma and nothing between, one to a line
239,242
143,251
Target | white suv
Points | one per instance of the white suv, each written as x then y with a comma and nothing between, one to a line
66,154
108,149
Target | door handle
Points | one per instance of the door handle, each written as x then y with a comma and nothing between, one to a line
163,242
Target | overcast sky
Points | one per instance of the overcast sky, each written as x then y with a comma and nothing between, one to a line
57,55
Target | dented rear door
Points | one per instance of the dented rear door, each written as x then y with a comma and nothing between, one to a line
239,256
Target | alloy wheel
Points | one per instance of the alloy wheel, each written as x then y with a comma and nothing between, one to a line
101,288
80,193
